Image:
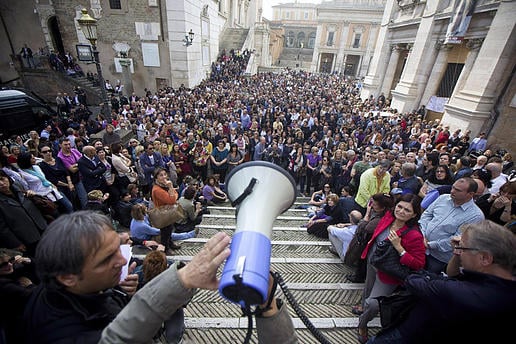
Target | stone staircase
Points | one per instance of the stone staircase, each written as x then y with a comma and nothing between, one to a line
233,38
47,82
296,58
313,275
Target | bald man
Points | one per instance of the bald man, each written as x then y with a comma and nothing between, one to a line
497,177
91,170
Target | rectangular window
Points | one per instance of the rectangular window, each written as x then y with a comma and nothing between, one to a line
356,42
205,55
115,4
306,15
329,42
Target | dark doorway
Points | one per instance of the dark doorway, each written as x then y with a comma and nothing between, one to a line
326,63
449,79
55,34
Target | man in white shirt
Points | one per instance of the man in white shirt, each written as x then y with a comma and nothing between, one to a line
497,177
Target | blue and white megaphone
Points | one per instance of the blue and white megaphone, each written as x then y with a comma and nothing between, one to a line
260,191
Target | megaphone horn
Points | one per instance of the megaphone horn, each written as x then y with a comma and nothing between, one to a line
260,191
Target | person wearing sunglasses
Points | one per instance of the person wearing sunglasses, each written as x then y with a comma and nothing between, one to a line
56,172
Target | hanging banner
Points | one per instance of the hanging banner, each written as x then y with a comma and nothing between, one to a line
459,22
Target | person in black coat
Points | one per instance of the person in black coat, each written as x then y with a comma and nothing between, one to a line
453,308
329,214
122,210
92,171
21,223
16,287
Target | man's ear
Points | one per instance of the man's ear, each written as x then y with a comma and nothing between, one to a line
486,259
68,280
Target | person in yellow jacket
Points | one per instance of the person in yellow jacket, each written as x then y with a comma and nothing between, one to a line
373,181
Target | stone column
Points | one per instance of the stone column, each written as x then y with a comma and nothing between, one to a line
472,106
413,77
314,66
474,47
389,72
374,78
126,73
366,59
438,69
341,55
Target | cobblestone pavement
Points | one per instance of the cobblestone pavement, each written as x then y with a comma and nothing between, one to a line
313,275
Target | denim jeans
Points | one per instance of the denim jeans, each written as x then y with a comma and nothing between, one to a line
175,327
65,206
81,194
182,236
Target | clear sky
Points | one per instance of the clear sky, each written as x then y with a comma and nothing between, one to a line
267,5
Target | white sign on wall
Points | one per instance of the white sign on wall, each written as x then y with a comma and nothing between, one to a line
150,53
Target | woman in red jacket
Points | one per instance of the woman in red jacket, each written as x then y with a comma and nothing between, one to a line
409,245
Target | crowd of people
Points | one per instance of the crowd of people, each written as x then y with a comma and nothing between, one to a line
371,178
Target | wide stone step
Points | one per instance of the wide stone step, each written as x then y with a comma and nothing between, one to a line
213,219
314,276
231,211
287,234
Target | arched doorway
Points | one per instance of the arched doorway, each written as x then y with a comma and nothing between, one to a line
55,34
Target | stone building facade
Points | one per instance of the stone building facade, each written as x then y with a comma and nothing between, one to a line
469,82
338,35
149,32
347,32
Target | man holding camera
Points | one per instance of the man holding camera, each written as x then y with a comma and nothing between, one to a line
193,211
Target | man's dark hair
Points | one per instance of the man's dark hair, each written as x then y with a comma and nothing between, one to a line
189,193
472,184
465,161
24,160
67,242
433,157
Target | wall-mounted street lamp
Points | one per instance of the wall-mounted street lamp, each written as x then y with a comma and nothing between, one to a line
89,28
188,40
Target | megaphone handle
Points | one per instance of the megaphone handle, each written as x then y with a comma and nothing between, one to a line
244,194
259,310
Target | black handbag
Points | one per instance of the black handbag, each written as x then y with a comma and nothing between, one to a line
356,247
386,259
395,308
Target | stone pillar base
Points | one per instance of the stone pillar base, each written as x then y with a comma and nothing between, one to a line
370,85
404,97
459,118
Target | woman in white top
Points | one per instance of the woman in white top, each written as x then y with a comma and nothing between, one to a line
38,183
122,164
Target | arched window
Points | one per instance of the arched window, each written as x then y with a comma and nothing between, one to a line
300,40
289,42
311,40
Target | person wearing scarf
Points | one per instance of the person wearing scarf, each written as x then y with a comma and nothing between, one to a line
38,183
